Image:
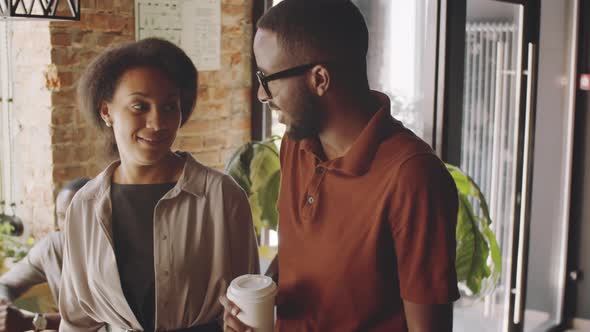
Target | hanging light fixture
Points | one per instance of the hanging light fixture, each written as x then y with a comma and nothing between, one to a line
40,9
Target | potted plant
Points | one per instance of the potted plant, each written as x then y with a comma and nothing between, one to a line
16,223
479,260
12,248
256,168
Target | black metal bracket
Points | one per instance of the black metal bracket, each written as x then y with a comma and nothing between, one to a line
39,9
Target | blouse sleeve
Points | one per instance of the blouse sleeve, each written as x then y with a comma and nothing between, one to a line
74,316
244,247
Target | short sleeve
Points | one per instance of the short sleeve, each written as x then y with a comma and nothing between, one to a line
423,217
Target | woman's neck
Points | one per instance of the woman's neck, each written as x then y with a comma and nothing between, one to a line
166,170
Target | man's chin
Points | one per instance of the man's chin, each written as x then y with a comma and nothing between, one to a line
297,134
281,118
293,136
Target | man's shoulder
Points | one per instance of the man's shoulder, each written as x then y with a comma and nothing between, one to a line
56,240
288,145
47,251
402,146
412,164
288,152
51,240
44,248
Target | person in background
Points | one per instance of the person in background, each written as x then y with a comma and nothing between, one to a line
42,264
367,210
157,236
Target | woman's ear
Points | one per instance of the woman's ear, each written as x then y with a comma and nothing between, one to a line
105,115
320,80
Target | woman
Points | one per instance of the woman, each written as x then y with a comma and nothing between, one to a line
158,236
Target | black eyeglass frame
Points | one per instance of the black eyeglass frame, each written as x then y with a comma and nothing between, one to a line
290,72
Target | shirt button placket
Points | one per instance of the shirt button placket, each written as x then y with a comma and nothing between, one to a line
312,197
163,267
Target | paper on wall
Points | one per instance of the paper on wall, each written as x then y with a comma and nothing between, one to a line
193,25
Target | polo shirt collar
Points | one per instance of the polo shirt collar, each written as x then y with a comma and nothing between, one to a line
358,159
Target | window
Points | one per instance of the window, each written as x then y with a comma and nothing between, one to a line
402,58
6,148
270,120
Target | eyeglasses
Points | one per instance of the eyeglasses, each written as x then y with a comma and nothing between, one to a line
263,79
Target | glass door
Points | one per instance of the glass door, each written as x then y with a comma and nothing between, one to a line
496,145
547,254
516,126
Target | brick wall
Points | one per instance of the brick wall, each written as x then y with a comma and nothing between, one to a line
78,148
221,121
57,144
31,112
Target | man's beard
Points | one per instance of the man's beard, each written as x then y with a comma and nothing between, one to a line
308,117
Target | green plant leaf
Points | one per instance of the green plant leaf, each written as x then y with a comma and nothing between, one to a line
10,246
461,180
265,178
238,166
495,253
472,249
256,212
467,186
479,260
268,195
265,162
256,167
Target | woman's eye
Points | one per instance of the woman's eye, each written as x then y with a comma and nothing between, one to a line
139,107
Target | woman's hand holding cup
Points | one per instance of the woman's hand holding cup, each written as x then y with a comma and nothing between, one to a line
231,322
249,304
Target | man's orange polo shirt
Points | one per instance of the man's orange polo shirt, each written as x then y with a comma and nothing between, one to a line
360,233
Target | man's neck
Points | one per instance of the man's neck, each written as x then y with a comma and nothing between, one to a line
165,171
348,119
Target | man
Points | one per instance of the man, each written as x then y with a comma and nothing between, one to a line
42,264
367,211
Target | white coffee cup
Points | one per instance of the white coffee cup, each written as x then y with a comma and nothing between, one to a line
255,296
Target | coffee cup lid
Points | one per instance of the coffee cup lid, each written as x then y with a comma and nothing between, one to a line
253,287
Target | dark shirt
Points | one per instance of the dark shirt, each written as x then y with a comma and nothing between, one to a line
133,232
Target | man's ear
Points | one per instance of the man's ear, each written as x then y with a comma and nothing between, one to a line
320,80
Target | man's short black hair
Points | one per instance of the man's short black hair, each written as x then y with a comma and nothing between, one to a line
319,30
